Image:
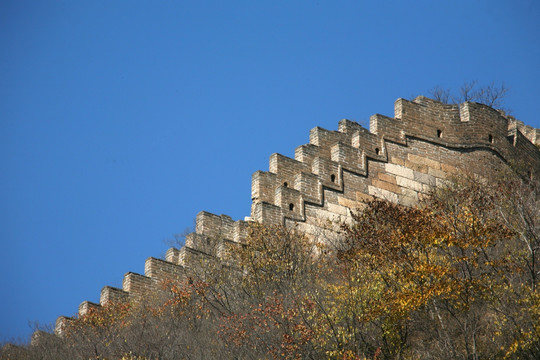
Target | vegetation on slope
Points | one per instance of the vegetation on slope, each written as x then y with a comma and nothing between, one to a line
454,278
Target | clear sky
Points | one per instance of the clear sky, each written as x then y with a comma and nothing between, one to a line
121,120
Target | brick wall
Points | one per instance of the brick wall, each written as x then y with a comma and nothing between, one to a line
399,159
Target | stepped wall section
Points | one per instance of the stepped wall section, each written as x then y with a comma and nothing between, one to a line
399,159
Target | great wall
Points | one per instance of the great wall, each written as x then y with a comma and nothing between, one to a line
399,159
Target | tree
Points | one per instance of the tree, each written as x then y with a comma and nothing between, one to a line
492,95
453,278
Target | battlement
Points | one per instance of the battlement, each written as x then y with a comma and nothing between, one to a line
399,159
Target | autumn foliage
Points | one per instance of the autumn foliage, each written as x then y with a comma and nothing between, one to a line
453,278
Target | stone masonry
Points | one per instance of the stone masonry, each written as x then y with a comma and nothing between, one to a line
400,159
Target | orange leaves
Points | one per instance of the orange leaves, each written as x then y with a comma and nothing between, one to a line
447,280
273,325
111,314
447,255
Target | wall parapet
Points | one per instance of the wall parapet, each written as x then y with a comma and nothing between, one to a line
400,159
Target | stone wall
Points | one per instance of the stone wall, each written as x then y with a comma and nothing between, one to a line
400,159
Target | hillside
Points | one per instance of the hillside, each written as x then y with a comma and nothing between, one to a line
416,238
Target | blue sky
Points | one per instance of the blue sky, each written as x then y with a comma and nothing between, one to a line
121,120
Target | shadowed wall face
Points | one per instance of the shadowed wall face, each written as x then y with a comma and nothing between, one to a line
400,159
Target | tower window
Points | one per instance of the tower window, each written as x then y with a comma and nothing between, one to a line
511,139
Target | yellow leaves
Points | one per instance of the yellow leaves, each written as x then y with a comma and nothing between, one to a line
401,283
131,356
113,313
401,261
272,257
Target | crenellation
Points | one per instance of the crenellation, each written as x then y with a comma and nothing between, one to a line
137,285
389,128
161,270
198,242
61,323
349,127
227,227
372,145
329,173
528,156
307,153
291,201
310,187
86,307
400,159
286,168
173,256
262,186
208,224
266,213
240,230
423,110
468,125
528,131
188,256
349,158
325,139
111,294
203,244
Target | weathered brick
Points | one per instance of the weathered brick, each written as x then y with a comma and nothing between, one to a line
386,185
411,184
424,161
338,209
351,204
399,159
437,173
424,178
387,177
417,167
384,194
447,168
399,170
360,196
